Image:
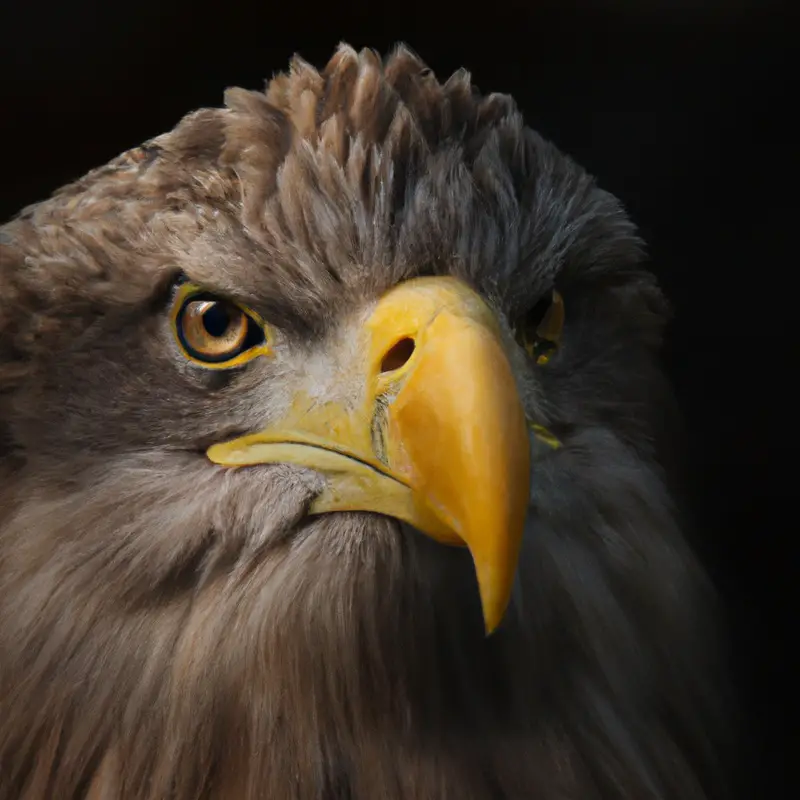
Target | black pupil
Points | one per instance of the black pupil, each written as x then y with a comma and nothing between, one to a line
217,320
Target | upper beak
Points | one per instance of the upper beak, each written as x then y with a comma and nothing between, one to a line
438,437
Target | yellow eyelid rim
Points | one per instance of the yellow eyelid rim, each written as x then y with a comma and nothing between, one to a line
184,293
550,329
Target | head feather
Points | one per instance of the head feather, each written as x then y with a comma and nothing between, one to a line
356,176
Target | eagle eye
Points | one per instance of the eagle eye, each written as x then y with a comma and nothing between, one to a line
215,332
539,334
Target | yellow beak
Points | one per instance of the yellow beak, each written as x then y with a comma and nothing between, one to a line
434,433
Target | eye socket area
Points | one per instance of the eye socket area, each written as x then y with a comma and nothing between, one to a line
216,332
542,328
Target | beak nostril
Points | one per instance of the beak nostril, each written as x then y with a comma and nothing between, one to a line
398,354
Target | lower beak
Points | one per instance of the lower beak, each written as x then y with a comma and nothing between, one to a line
438,437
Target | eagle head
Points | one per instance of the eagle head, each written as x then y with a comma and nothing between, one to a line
331,446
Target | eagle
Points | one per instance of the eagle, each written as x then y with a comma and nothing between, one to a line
335,463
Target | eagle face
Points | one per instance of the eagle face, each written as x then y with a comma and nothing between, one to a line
302,400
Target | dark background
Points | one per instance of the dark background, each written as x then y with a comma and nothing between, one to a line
683,109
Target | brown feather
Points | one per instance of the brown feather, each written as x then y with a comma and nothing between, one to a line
171,630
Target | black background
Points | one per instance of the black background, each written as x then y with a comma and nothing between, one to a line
683,109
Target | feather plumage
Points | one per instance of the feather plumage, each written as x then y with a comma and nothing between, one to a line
167,630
